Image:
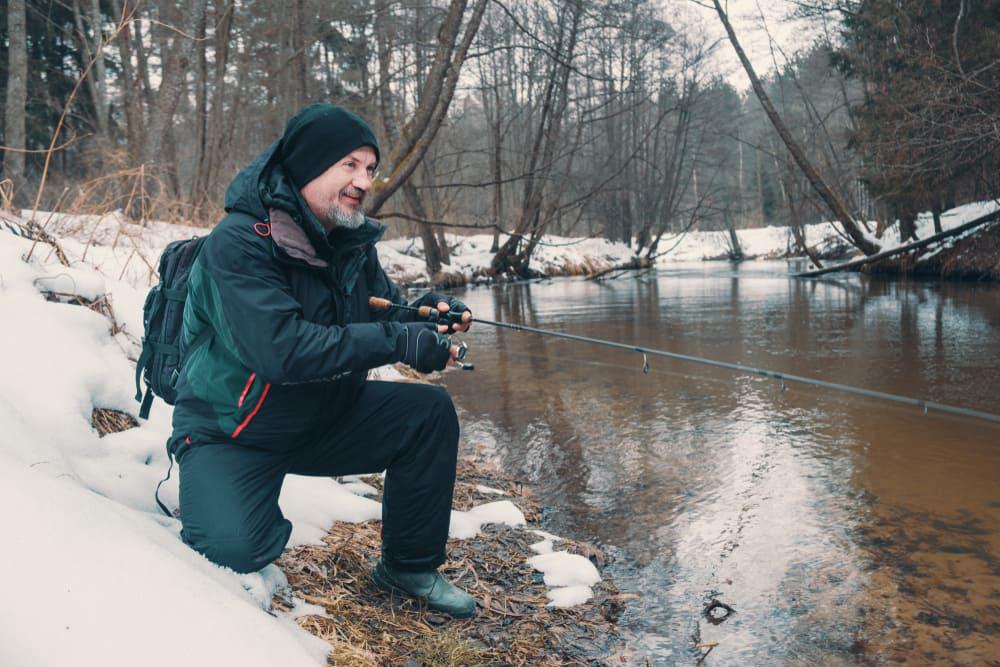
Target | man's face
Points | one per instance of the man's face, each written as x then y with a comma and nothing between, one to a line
335,196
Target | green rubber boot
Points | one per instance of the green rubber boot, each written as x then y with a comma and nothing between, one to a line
429,587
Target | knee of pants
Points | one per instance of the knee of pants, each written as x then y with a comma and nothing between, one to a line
243,551
441,411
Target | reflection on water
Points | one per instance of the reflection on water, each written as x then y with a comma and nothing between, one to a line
839,528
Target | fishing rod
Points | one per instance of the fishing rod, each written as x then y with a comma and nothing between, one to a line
450,318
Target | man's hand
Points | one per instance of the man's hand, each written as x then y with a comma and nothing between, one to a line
446,304
424,349
451,304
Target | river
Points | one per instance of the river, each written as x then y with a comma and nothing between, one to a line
840,529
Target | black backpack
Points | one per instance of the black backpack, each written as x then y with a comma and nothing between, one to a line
162,315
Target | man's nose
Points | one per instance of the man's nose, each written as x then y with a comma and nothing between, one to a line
362,181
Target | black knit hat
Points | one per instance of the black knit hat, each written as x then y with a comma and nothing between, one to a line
319,136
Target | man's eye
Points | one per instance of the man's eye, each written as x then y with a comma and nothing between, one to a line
349,165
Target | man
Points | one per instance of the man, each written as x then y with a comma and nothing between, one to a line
279,339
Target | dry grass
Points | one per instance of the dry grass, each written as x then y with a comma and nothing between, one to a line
101,305
514,627
106,420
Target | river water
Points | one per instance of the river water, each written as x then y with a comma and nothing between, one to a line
840,529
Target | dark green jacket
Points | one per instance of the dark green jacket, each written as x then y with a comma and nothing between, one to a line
292,336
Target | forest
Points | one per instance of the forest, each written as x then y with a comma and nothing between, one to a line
524,119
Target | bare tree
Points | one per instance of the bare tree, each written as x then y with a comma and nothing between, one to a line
419,131
511,257
178,46
17,95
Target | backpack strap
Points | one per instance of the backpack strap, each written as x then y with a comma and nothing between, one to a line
156,494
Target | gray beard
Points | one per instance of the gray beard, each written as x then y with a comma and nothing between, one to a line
341,218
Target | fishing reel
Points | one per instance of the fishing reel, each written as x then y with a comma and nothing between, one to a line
450,319
463,349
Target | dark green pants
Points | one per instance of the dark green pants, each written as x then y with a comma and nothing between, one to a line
229,492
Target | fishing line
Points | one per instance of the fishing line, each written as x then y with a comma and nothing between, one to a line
466,318
702,379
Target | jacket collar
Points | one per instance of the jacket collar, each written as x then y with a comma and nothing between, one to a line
290,237
293,240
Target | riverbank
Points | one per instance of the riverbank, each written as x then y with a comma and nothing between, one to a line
974,256
517,622
101,573
113,238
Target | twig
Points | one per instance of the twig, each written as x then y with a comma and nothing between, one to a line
709,646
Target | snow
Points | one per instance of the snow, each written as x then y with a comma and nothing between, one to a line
569,577
90,580
569,596
482,488
467,524
543,547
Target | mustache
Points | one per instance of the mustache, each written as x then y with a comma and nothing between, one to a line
350,191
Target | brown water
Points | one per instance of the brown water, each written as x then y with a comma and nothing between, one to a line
841,529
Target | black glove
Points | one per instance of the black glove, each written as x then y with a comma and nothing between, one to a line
422,348
455,305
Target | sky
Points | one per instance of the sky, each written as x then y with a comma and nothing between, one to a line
789,35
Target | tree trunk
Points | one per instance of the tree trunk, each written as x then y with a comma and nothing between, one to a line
496,165
216,135
547,137
300,44
907,223
829,197
201,109
936,211
96,83
176,59
432,254
130,87
17,96
794,220
384,38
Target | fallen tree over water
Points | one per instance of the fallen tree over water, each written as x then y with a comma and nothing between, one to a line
910,265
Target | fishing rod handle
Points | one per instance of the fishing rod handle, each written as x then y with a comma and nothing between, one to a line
379,303
426,312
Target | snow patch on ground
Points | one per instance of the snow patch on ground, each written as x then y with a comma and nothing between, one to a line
467,524
568,576
482,488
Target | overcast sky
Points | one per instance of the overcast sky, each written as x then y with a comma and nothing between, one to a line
745,15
